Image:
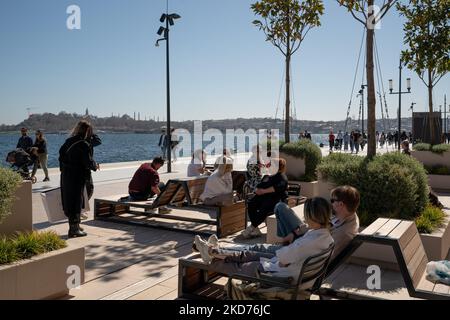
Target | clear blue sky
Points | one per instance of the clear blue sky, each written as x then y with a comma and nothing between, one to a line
221,65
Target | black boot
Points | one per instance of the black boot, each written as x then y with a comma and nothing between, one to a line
75,232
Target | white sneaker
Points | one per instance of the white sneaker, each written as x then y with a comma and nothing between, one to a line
203,248
213,241
84,216
150,211
251,232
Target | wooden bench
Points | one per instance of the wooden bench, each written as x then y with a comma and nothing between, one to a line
187,216
410,255
198,280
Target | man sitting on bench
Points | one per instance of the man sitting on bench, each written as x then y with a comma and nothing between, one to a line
345,202
145,184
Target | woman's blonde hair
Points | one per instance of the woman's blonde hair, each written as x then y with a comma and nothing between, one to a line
83,129
39,134
319,211
225,167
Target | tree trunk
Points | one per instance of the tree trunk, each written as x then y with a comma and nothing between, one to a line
287,128
430,105
371,98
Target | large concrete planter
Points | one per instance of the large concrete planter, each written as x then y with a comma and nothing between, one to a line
41,277
436,246
21,217
325,188
295,167
309,189
439,182
431,159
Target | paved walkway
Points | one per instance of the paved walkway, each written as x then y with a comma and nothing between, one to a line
125,262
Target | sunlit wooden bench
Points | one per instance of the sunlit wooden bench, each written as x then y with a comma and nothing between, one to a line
187,214
410,255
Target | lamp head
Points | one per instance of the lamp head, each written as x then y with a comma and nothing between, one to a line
391,85
408,84
163,17
160,31
174,16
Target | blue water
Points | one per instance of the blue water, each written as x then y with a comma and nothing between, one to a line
115,147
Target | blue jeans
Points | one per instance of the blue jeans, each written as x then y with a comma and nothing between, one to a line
287,220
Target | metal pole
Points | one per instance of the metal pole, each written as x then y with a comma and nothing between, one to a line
399,105
362,118
169,134
445,114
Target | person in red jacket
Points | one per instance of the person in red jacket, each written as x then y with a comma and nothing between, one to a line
331,139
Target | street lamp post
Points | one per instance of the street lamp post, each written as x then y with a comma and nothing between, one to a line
445,114
400,93
169,20
412,110
361,94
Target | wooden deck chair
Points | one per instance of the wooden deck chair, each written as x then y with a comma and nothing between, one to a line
268,287
410,255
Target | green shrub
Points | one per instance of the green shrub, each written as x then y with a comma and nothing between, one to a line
307,150
438,170
9,182
27,245
430,219
440,148
8,253
422,147
392,185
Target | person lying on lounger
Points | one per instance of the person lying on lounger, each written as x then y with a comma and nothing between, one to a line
279,261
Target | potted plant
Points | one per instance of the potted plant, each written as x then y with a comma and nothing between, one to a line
431,156
302,158
15,203
38,265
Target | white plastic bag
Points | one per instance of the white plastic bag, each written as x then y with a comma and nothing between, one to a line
439,271
53,205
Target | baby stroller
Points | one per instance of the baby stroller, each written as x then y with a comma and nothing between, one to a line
20,162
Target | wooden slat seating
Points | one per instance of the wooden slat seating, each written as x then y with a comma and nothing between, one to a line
197,280
230,219
186,192
410,254
133,212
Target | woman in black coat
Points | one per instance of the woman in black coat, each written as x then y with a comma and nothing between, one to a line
76,164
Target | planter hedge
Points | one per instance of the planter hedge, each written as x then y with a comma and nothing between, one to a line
392,185
9,182
308,151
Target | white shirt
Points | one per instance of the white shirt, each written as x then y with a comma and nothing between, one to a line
217,185
312,243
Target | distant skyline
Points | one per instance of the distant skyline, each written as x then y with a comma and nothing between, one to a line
221,67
